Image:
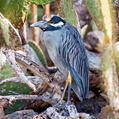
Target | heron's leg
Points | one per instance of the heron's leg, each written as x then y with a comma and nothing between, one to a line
63,93
69,86
68,83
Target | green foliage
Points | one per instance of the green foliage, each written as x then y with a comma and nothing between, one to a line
40,14
69,12
117,62
15,106
5,31
103,14
38,52
116,54
9,36
15,11
6,72
29,17
93,25
106,58
95,12
40,2
12,88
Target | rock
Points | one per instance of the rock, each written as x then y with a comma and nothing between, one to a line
23,114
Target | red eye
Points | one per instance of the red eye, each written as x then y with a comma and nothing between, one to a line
51,22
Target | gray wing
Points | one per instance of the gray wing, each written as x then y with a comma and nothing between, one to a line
73,53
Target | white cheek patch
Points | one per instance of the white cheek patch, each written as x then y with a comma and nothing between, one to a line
58,24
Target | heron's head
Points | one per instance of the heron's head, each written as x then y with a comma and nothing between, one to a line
54,23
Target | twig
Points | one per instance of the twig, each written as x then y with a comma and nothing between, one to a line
34,79
40,85
11,59
12,98
25,61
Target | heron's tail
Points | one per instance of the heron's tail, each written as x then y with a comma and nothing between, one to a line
76,90
77,86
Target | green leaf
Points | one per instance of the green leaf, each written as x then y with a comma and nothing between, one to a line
9,36
38,52
6,72
103,14
68,11
95,12
15,11
12,88
40,2
5,31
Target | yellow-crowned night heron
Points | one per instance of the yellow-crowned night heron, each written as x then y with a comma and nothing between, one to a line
67,51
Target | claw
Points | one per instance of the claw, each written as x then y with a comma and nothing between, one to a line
59,105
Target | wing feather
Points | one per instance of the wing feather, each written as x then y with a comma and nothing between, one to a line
73,53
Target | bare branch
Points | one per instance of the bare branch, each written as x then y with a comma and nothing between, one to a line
37,70
12,98
11,59
34,79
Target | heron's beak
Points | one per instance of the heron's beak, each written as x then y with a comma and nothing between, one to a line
41,24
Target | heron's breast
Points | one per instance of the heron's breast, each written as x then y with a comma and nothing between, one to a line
52,42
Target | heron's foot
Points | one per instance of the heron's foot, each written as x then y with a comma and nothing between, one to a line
68,84
60,105
68,103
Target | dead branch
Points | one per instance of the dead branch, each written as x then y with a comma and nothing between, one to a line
11,59
37,70
13,98
94,62
32,56
34,79
39,84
